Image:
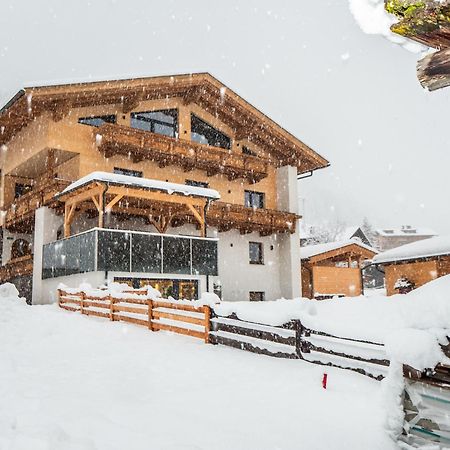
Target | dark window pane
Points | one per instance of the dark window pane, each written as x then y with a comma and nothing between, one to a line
176,255
203,133
204,257
113,251
59,269
72,255
97,121
255,252
21,189
146,253
48,260
247,151
256,296
202,184
129,172
163,122
254,199
87,252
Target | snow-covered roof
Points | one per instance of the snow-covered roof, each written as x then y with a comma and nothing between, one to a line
425,248
314,250
405,230
145,183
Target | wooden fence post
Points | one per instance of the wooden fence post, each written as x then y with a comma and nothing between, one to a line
59,298
150,315
111,307
207,311
82,302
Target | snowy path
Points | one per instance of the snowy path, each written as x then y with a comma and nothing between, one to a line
69,382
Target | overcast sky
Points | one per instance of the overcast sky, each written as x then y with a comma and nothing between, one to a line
353,98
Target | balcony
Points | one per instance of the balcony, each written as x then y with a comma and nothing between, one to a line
114,139
16,267
102,249
20,215
227,216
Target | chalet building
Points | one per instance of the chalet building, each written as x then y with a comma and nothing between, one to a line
172,181
411,266
334,268
387,238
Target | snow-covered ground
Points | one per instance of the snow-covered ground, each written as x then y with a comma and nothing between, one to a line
71,382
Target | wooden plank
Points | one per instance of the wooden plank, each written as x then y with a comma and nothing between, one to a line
91,312
88,303
130,309
235,343
69,308
433,71
181,307
207,312
251,332
162,326
132,320
74,301
171,316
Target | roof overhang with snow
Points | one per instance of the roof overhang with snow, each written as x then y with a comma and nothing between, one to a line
158,201
200,88
332,250
425,249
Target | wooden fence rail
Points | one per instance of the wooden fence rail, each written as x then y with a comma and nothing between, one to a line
154,314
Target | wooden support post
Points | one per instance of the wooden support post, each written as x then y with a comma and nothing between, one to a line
82,297
100,210
111,307
150,315
59,298
207,311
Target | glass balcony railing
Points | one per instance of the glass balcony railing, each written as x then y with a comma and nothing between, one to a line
129,251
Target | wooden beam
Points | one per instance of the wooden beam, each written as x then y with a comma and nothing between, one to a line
116,199
73,197
433,71
199,217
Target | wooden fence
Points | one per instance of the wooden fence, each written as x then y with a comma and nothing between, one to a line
154,314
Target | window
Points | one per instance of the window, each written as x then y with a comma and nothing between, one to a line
203,133
21,189
256,296
247,151
163,122
129,172
96,121
255,252
254,199
202,184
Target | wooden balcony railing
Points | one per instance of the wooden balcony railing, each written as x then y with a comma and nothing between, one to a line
114,139
227,216
16,267
22,210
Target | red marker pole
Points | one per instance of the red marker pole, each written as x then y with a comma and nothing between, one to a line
324,380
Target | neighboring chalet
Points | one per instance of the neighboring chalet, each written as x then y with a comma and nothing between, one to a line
387,238
412,265
334,269
173,181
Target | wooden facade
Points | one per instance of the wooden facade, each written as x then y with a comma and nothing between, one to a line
53,136
419,271
335,270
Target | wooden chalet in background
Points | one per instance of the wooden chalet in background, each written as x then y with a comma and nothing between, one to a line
417,263
334,268
186,130
426,22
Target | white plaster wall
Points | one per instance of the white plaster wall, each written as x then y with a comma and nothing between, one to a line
46,225
287,200
237,276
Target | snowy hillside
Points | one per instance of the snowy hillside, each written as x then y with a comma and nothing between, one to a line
73,382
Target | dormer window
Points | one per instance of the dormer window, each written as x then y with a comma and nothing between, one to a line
203,133
163,122
97,121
